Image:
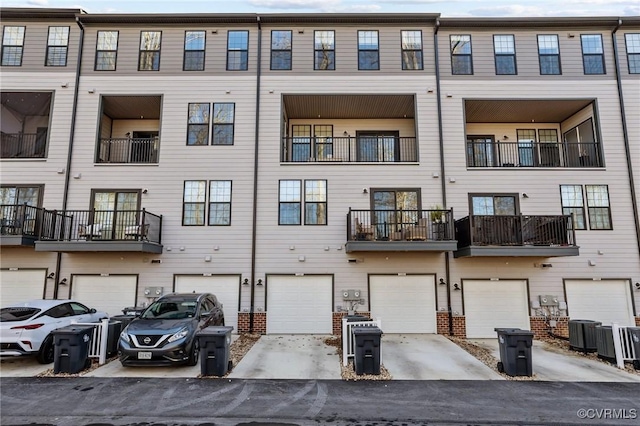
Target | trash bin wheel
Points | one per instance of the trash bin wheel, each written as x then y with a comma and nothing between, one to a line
46,353
500,367
230,365
636,364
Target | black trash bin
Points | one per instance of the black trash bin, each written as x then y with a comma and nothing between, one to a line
515,351
357,318
215,342
582,335
124,319
115,327
634,340
71,350
367,350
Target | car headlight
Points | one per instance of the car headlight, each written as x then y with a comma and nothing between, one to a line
179,335
125,336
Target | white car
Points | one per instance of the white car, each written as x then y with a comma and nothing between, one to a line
25,328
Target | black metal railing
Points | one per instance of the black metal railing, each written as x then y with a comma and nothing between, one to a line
102,225
20,219
400,225
23,145
365,149
533,154
127,150
518,230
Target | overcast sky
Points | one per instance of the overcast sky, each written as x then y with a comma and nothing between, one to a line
520,8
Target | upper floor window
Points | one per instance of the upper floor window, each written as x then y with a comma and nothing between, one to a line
549,54
461,60
20,194
494,205
12,45
198,124
592,54
220,202
237,50
315,202
411,50
325,50
573,204
57,46
149,51
598,205
368,53
194,43
106,51
223,123
504,47
194,202
290,204
281,50
633,52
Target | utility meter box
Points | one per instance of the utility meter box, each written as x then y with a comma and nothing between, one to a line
351,295
153,291
548,300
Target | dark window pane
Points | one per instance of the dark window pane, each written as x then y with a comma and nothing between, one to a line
11,56
634,63
198,134
222,134
325,60
290,213
149,61
593,64
281,60
505,64
315,214
412,60
549,65
461,65
193,61
237,60
368,60
57,56
219,214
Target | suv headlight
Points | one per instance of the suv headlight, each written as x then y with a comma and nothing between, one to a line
125,336
179,335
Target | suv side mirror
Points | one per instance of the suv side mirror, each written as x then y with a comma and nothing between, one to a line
92,311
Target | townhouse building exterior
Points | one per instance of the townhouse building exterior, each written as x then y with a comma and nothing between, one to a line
447,175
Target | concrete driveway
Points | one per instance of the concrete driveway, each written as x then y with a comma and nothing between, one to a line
22,366
554,364
289,357
431,357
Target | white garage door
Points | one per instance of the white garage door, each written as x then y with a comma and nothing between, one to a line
226,289
109,293
607,301
299,304
404,304
21,285
490,304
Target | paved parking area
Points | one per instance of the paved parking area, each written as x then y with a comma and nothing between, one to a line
431,357
22,366
553,364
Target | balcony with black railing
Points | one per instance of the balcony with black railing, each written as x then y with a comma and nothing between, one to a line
128,150
23,145
101,231
400,230
20,224
518,235
533,154
365,149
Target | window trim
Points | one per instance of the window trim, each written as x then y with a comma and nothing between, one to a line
185,50
66,46
377,50
280,202
232,124
204,203
513,55
608,207
540,55
21,46
290,50
115,58
199,124
325,202
584,65
469,55
140,51
421,50
629,54
315,51
229,203
238,50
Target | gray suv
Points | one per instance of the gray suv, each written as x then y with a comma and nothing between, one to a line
164,333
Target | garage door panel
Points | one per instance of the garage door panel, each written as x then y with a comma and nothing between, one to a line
299,304
607,301
225,288
490,304
405,304
22,285
105,293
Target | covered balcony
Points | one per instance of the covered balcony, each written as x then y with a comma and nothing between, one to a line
400,230
25,124
101,231
532,133
517,235
349,129
20,225
129,130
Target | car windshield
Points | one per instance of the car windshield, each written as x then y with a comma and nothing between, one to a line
170,309
17,313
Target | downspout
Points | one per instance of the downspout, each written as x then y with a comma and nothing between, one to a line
67,175
447,266
255,180
625,134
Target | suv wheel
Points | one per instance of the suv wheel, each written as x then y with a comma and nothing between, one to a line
195,353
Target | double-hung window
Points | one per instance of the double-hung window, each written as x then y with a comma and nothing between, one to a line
573,203
198,124
194,45
633,52
549,54
504,47
411,50
324,50
237,50
291,199
526,143
281,50
368,53
12,46
106,51
592,54
149,59
194,203
199,119
461,60
223,123
598,205
57,47
220,203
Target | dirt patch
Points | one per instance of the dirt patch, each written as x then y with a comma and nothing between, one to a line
347,371
94,364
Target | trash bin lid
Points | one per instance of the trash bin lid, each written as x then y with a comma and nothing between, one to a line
215,330
517,332
367,331
74,329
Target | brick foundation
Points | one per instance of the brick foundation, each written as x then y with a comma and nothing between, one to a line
259,322
637,321
541,329
337,321
459,324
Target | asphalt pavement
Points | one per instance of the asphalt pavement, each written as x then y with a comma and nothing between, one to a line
99,401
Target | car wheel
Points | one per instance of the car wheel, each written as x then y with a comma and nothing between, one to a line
45,354
195,353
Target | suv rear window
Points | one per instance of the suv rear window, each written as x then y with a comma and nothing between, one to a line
17,314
